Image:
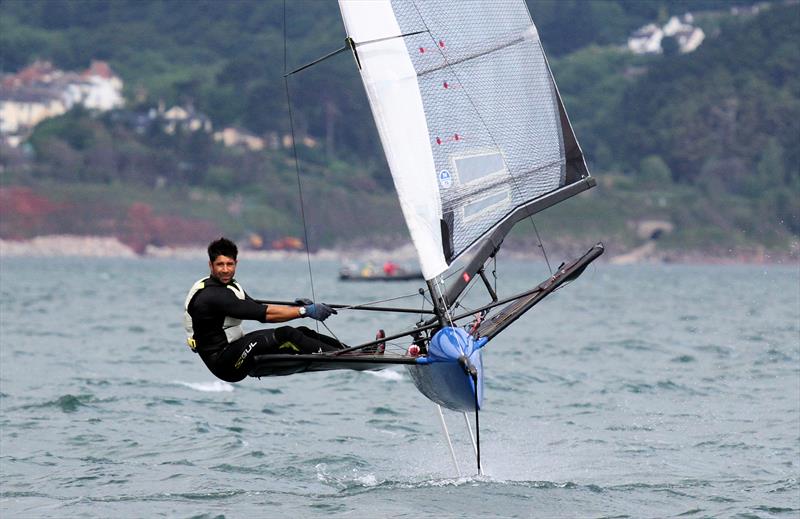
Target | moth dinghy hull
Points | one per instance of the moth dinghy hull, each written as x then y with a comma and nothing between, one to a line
453,374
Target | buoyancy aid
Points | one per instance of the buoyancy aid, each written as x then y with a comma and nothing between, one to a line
231,326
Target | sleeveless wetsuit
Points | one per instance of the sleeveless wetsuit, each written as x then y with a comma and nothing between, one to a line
214,312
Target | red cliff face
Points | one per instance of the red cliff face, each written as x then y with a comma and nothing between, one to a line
26,214
143,227
23,212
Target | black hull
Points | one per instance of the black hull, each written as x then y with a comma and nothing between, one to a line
411,276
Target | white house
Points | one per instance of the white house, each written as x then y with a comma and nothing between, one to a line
102,89
238,137
688,36
23,110
40,91
186,119
648,39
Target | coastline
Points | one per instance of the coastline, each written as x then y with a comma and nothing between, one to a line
111,247
67,245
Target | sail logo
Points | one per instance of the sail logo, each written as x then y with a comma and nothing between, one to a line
445,179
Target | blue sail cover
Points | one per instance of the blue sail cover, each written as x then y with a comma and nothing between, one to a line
440,376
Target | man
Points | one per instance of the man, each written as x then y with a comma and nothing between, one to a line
213,314
390,268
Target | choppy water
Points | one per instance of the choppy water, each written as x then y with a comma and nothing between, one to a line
648,391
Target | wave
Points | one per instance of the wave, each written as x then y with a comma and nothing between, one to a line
215,386
67,403
387,374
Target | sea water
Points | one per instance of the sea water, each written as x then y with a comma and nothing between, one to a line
643,391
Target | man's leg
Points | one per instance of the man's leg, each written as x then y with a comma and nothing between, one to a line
236,361
304,340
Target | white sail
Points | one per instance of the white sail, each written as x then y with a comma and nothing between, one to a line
391,83
468,114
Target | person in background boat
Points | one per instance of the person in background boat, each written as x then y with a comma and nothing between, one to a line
368,270
216,306
390,268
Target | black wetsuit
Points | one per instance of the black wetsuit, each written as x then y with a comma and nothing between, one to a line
233,361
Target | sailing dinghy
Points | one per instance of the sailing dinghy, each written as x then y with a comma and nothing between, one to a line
477,140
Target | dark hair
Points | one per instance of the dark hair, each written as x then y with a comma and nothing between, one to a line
222,247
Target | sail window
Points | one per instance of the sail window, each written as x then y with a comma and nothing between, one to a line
474,208
477,167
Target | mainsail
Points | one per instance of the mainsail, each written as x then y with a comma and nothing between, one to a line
469,116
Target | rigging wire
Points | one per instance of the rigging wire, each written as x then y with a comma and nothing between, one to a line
286,76
377,301
494,272
541,246
460,301
296,160
345,48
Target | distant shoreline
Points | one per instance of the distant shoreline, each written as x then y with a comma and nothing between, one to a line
110,247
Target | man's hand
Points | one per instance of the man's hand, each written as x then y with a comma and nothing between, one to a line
319,311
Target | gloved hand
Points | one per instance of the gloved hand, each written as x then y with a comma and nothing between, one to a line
319,311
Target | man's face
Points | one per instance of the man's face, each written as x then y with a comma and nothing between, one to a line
223,268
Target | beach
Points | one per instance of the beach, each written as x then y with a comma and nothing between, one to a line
647,253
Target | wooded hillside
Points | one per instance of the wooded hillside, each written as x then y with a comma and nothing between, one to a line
715,131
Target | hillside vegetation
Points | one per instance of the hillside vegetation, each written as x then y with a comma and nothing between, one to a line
706,140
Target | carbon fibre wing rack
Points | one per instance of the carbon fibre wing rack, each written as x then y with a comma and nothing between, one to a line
284,364
490,245
514,310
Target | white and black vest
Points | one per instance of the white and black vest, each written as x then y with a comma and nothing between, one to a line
231,326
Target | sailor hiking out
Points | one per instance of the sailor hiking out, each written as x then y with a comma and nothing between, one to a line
216,306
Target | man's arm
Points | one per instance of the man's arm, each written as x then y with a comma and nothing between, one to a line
248,308
317,311
277,313
281,314
221,301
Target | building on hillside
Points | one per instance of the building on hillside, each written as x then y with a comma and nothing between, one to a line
752,10
687,35
238,137
103,90
305,140
40,91
37,72
649,38
646,40
23,109
186,119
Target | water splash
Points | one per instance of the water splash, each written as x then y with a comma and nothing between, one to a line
216,386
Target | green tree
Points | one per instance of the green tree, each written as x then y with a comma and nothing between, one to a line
653,169
770,168
222,179
670,46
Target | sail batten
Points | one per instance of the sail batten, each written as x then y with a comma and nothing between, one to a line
479,54
469,116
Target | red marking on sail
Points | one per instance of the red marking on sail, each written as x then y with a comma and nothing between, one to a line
422,50
438,140
441,43
465,277
456,137
445,85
